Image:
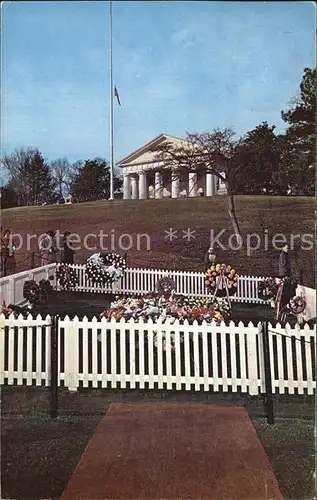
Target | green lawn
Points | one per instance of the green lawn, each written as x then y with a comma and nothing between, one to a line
264,215
289,445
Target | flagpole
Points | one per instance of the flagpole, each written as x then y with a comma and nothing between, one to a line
111,105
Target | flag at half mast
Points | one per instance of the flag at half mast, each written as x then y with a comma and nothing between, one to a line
116,93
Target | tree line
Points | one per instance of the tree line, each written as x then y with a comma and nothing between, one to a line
261,162
34,181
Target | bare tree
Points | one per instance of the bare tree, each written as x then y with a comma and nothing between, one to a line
73,172
61,170
215,151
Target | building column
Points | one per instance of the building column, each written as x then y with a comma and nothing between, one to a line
142,186
175,183
158,185
126,187
222,186
214,184
134,187
192,184
209,184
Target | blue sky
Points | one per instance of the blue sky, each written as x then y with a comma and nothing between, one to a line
178,66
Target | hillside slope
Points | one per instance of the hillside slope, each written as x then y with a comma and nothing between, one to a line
144,223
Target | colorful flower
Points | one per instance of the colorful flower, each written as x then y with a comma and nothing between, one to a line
221,270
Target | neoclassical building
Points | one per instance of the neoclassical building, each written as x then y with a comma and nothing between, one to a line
145,177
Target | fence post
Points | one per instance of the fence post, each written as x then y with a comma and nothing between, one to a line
268,374
71,353
261,359
54,368
57,283
252,360
11,299
54,274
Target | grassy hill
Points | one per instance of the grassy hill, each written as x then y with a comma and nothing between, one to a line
264,215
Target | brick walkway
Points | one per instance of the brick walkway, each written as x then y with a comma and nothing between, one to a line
173,451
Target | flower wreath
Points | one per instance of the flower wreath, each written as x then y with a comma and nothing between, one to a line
165,286
297,305
46,288
103,268
67,277
267,289
37,292
213,274
31,291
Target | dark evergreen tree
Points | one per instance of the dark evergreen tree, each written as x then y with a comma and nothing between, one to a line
299,161
259,156
30,177
91,181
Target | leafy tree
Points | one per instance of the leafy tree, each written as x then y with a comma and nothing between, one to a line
215,151
30,177
299,177
91,180
299,161
259,155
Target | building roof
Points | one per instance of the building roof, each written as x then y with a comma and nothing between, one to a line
145,154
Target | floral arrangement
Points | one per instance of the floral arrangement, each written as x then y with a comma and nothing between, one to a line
31,291
6,310
297,305
213,275
163,308
103,268
165,286
46,289
13,309
132,308
221,304
37,292
169,309
267,289
67,277
196,302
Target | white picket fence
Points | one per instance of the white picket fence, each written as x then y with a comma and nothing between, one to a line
141,281
25,350
129,354
11,287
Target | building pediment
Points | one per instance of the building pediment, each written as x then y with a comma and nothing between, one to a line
146,154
